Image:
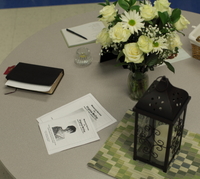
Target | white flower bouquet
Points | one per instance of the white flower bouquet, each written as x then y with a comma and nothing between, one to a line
145,35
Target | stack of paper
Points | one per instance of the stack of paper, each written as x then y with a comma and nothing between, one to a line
74,124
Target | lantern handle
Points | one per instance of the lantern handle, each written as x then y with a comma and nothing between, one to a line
162,86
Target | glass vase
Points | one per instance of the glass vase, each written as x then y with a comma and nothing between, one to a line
137,85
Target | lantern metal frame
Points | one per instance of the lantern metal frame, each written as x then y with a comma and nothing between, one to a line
175,120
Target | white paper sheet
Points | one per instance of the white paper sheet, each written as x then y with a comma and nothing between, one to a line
88,30
68,132
27,86
98,114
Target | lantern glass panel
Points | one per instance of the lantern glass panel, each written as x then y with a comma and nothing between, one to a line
151,139
160,142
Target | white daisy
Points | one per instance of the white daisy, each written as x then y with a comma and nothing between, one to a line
132,21
159,45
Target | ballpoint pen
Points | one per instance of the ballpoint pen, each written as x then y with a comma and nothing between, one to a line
76,34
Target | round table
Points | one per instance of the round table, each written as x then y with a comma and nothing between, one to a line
23,151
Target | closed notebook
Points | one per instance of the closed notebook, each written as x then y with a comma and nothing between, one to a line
35,77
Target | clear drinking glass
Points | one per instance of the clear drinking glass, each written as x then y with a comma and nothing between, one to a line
83,56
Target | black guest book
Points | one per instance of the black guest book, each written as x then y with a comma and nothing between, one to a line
35,77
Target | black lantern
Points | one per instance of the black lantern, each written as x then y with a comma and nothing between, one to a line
159,123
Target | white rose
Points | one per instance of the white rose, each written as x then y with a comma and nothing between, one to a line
181,23
103,38
174,41
108,13
162,6
118,33
133,53
147,12
145,44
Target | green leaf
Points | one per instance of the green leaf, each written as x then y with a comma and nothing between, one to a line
176,14
102,4
100,16
151,60
132,2
150,22
164,16
169,66
107,2
120,55
115,3
121,64
124,4
137,8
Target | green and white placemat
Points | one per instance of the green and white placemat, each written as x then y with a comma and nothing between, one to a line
115,158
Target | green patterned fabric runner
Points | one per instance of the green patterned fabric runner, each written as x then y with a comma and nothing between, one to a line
115,158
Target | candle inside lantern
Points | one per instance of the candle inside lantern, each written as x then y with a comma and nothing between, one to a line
161,142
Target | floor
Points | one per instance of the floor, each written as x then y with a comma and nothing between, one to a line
19,23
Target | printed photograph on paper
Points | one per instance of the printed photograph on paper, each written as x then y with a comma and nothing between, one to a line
68,132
